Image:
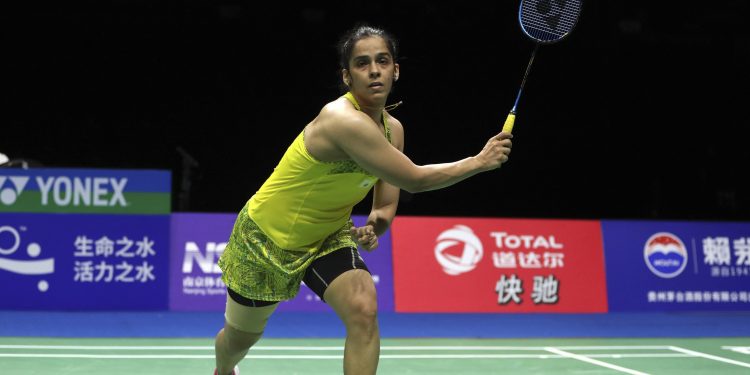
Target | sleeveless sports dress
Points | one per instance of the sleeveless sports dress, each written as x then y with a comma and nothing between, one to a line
302,212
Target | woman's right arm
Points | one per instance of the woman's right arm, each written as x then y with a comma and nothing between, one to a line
362,142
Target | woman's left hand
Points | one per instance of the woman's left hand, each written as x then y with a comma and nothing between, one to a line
365,237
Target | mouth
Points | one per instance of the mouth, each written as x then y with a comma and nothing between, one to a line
376,84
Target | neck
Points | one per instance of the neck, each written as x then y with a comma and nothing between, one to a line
374,109
375,112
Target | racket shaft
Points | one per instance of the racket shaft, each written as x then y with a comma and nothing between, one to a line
508,126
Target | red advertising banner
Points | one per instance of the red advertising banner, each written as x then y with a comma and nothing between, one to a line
498,265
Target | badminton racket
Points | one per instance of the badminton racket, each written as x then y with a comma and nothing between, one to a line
545,22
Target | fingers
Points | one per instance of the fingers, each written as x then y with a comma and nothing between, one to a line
368,242
362,231
503,146
371,244
499,148
365,236
503,139
507,144
503,135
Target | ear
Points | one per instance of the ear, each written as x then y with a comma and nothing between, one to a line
395,72
346,77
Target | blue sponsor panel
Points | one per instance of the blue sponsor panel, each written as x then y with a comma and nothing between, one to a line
658,266
198,240
145,180
97,191
84,262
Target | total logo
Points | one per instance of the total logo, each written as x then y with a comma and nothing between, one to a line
665,255
10,242
458,250
9,194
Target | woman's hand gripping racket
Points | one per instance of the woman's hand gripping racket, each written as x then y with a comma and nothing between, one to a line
545,22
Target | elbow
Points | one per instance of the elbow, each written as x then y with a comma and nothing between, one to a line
416,186
412,189
416,182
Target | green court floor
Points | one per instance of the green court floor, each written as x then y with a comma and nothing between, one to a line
679,356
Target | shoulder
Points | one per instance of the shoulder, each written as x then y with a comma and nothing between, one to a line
340,113
394,123
340,120
397,131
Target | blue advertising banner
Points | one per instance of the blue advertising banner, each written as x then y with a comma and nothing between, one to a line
98,191
657,266
84,262
198,240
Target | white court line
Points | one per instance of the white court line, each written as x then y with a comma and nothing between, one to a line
325,348
104,347
594,361
106,356
339,356
738,349
709,356
256,348
638,355
615,347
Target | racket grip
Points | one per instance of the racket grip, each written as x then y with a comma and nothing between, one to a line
508,126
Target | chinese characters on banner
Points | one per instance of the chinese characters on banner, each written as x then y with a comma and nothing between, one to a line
498,265
104,260
509,289
727,257
84,262
677,265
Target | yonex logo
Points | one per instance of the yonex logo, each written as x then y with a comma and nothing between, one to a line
551,9
470,254
9,192
87,191
10,241
66,191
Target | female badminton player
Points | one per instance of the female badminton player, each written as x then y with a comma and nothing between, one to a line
297,226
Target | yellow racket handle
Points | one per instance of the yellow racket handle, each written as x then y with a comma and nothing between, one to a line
508,126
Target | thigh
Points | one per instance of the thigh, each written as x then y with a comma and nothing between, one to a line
323,272
246,315
352,292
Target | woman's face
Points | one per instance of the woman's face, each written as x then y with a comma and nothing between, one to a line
372,70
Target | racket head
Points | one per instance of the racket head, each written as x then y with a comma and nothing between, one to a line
548,21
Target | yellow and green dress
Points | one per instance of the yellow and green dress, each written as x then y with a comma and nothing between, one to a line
302,212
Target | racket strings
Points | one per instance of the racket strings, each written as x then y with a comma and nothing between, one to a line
563,26
549,20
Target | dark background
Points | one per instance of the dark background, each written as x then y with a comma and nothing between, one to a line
640,114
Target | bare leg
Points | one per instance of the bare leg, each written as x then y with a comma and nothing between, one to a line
352,295
243,327
231,347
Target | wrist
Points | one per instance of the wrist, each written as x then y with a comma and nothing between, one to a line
477,165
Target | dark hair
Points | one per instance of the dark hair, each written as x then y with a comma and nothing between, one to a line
348,40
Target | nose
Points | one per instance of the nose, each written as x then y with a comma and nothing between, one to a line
374,70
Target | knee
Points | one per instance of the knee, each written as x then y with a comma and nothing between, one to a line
240,339
364,313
